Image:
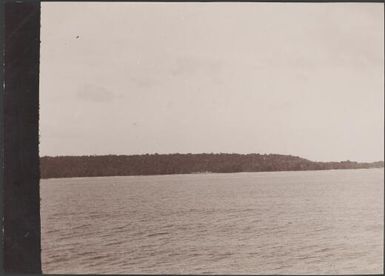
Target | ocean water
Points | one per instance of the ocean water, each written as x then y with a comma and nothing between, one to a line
311,222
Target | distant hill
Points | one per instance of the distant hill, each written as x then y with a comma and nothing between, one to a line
157,164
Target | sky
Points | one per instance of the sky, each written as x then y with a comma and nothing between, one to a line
305,79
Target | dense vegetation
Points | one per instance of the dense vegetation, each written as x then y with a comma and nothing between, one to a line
153,164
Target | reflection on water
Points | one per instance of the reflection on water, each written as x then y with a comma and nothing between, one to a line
313,222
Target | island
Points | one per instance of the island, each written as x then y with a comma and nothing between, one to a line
160,164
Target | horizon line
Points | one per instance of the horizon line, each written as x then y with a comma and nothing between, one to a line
200,153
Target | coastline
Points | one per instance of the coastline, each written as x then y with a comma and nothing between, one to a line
213,173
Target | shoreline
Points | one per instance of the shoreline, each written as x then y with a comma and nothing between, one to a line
209,173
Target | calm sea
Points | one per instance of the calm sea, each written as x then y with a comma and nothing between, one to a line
312,222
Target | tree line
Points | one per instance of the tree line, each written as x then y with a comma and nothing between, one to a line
158,164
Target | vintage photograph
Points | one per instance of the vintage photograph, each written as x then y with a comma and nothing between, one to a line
211,138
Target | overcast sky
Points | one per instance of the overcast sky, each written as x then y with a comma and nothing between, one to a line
133,78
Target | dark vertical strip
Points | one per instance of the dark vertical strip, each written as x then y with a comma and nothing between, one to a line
2,41
21,138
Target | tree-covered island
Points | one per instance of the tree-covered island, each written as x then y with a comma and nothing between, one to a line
159,164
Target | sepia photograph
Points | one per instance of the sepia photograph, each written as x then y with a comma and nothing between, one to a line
211,138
